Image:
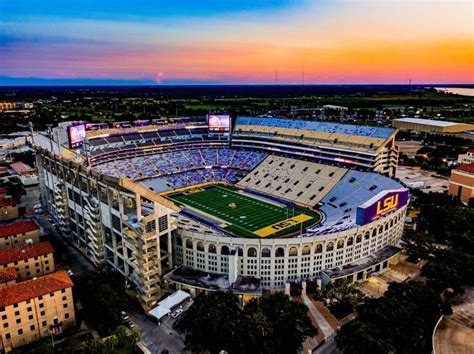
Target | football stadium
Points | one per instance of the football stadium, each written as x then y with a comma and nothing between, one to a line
244,204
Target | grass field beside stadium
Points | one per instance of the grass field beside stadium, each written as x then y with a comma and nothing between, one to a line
243,214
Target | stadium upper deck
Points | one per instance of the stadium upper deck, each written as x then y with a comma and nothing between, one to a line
368,147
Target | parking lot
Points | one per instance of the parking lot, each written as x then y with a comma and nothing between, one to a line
432,181
159,337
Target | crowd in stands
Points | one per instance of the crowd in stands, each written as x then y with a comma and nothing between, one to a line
299,181
174,162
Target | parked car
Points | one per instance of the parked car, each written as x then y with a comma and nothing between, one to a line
125,317
177,313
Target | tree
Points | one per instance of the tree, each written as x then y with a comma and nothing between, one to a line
341,297
214,322
287,321
401,321
275,324
470,203
102,294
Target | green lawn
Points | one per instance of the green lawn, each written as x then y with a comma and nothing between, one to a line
245,215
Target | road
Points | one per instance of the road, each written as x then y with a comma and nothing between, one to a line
65,253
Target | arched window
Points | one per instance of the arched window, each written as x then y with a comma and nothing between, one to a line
280,252
200,246
366,235
266,252
330,246
319,248
359,239
391,223
212,248
340,244
380,229
240,251
293,251
225,250
374,232
350,241
306,250
189,244
386,227
251,252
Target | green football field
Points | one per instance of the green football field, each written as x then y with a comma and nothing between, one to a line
244,214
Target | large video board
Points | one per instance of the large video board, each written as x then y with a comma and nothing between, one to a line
218,122
382,204
76,135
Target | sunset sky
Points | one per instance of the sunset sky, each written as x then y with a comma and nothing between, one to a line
237,41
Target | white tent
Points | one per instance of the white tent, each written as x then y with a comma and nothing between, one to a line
158,312
164,306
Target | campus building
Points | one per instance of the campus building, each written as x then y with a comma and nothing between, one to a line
18,234
290,199
28,261
461,183
34,309
431,126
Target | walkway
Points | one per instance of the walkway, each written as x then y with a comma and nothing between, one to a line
323,324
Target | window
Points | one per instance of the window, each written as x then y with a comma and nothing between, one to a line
30,317
32,327
44,323
7,336
20,332
18,320
163,223
66,316
251,252
4,317
65,306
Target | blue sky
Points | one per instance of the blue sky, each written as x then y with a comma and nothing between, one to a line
339,41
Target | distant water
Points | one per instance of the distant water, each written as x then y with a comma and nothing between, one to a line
457,90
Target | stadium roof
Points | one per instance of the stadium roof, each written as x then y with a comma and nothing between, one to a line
34,288
17,228
437,123
20,253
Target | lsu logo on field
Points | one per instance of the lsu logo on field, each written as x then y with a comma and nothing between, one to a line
387,204
269,230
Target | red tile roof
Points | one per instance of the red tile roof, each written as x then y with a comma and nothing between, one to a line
469,168
7,275
17,228
4,202
34,288
20,167
21,253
